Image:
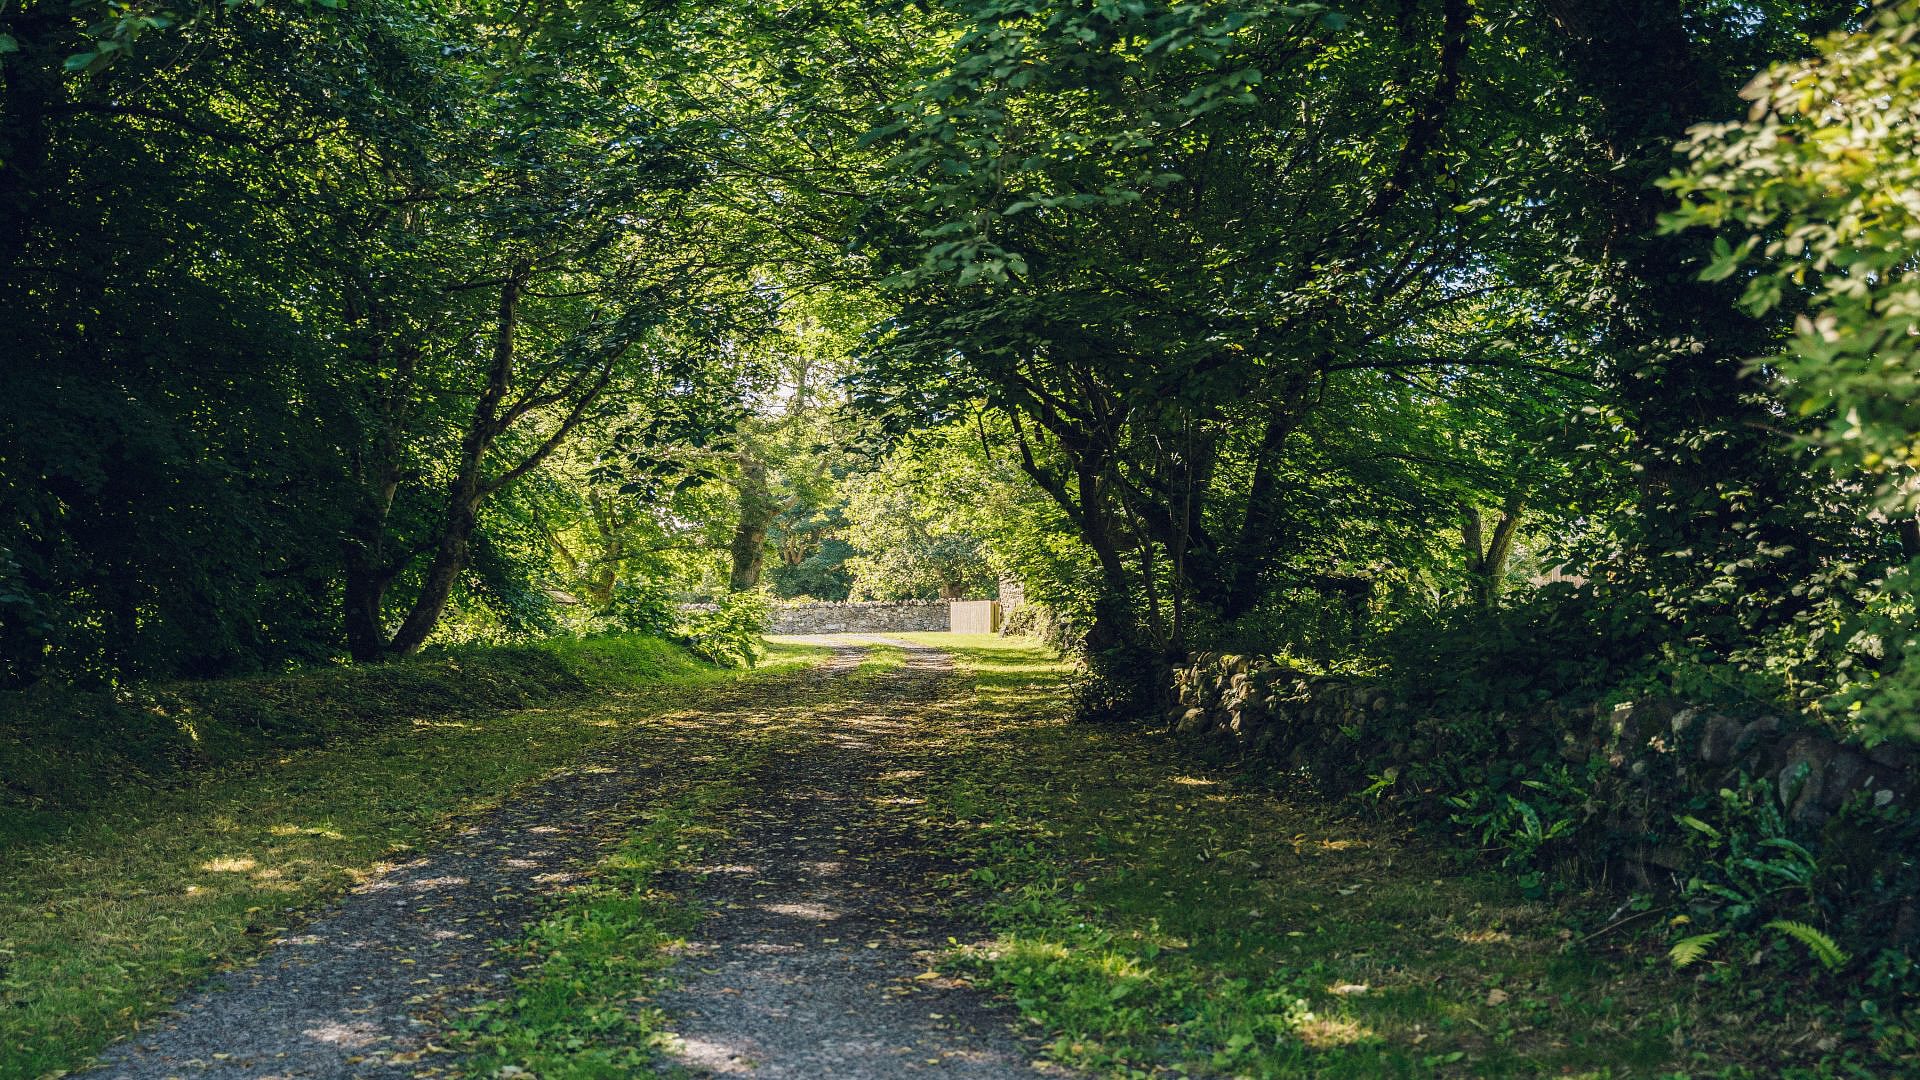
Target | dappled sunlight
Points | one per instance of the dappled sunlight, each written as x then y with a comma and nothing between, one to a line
808,912
305,830
1329,1033
229,865
350,1035
712,1055
726,868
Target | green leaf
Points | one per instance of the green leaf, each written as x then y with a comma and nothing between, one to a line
1689,950
1823,948
1699,826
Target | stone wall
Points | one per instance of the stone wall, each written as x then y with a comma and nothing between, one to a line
1641,764
859,617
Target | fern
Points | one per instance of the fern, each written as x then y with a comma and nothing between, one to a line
1699,826
1824,949
1690,949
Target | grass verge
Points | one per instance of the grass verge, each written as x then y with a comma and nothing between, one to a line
127,903
65,750
1157,916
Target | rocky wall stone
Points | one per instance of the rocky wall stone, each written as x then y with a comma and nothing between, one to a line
860,617
1647,760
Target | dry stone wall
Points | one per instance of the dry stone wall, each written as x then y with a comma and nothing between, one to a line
1643,763
859,617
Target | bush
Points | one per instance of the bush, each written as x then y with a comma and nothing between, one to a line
730,631
643,607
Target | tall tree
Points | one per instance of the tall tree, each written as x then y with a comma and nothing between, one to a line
1162,237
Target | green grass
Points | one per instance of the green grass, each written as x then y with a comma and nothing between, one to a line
123,905
880,660
1158,916
66,750
582,1012
1152,914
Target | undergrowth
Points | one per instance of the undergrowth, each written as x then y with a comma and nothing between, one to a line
1157,915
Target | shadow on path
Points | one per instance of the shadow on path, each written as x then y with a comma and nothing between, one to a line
807,968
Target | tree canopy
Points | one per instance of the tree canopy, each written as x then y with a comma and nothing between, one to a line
336,330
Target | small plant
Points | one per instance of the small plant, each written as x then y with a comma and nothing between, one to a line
1823,948
1521,816
1752,870
1689,950
728,633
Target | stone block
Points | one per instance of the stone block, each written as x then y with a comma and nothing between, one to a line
1719,735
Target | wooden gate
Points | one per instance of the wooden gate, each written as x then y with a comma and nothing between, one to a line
974,616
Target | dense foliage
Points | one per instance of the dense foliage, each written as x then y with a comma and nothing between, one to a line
1481,347
1238,324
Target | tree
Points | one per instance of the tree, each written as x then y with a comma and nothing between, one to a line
1817,188
1160,238
912,533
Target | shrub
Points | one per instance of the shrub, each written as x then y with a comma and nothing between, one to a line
728,632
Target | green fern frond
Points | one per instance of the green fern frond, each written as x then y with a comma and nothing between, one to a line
1698,826
1824,949
1690,949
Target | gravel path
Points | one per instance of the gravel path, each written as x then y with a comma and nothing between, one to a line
808,968
814,961
361,989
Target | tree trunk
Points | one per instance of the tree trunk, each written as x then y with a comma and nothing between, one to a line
365,593
455,544
1487,556
757,511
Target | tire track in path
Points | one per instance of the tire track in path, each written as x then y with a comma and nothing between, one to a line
814,960
813,963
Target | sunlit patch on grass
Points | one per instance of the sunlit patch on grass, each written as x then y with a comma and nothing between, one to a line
1098,842
1326,1033
306,830
107,920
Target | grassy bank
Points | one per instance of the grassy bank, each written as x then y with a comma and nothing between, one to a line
1160,917
63,750
119,904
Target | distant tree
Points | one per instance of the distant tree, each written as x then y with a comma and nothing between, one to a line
913,536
